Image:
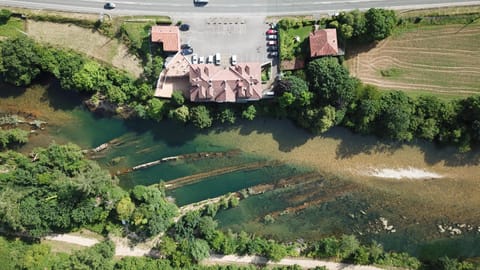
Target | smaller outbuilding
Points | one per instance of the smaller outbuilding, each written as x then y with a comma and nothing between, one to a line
169,36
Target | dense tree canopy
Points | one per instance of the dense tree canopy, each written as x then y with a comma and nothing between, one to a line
380,23
331,82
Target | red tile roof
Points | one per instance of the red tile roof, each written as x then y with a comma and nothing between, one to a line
323,42
168,35
210,83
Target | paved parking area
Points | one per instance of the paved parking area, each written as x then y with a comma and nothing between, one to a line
244,37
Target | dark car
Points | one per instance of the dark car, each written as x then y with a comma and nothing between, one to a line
109,5
185,46
184,27
187,51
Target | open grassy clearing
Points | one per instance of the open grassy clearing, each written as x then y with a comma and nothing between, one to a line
86,41
13,28
436,59
292,47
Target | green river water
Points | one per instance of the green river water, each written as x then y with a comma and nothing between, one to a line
322,204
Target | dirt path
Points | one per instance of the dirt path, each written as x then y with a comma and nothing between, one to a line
304,263
122,249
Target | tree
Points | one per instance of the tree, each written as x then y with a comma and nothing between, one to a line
98,257
180,114
348,245
227,115
20,61
155,108
125,208
177,98
90,77
395,117
380,23
327,119
12,136
275,251
200,117
351,25
249,113
331,81
199,249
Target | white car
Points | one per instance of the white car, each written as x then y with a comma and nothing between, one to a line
210,59
271,42
194,58
217,59
272,37
234,60
201,60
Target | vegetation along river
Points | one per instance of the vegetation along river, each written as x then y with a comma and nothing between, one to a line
309,187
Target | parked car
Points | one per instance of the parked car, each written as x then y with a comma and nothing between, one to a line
194,58
271,36
109,5
272,54
271,42
272,49
184,27
201,60
234,60
187,51
185,46
271,31
217,59
210,59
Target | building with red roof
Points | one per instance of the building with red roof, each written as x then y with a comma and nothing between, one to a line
323,42
169,36
239,83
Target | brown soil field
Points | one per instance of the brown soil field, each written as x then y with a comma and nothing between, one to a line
91,43
436,59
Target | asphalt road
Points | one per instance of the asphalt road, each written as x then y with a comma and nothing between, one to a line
221,7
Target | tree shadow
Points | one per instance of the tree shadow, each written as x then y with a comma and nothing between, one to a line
8,90
174,134
61,99
284,132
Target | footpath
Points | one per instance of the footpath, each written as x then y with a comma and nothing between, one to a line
123,249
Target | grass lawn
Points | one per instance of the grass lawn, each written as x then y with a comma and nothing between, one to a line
291,48
437,59
12,28
137,32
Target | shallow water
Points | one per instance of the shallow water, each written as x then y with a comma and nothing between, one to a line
330,203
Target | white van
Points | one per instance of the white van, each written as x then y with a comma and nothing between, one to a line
217,59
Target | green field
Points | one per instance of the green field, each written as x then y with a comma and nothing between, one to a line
432,58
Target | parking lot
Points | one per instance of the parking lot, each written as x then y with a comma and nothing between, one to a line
244,37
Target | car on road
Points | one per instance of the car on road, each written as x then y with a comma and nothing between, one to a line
271,36
200,2
271,42
187,51
184,27
194,58
109,5
271,32
218,58
234,60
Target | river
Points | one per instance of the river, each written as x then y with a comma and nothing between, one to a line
324,184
